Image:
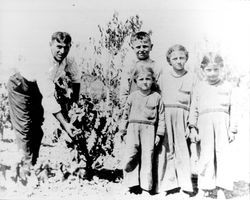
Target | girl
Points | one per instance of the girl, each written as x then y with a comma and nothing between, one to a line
212,121
174,160
144,121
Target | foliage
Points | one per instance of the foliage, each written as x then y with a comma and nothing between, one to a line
107,54
96,130
4,110
96,116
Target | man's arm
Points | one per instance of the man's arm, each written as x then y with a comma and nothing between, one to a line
76,79
50,105
68,127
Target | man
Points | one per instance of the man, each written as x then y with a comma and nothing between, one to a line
64,74
34,91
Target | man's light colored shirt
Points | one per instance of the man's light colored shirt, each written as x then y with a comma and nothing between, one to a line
45,74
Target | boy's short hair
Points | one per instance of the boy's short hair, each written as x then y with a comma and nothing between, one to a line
61,37
140,36
212,58
176,47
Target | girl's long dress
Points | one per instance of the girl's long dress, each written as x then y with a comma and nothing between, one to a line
174,160
212,112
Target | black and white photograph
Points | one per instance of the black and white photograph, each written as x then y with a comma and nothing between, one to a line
124,100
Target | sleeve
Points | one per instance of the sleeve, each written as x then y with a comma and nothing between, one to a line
47,89
193,82
194,113
126,113
158,72
161,126
234,110
74,70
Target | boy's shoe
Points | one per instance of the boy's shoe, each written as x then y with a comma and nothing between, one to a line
135,190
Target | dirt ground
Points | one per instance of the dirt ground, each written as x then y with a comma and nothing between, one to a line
106,184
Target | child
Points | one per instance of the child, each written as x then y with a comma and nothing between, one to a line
174,161
212,120
144,121
142,46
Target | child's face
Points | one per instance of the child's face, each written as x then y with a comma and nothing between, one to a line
144,81
212,73
142,48
178,60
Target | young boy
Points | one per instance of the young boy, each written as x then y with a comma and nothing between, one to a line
142,46
143,121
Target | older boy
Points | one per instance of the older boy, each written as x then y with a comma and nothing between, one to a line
142,46
31,93
64,75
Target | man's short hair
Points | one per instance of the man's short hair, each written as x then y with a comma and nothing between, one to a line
139,36
61,37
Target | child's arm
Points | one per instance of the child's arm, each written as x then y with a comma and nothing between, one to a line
193,81
125,116
233,115
161,127
157,73
193,116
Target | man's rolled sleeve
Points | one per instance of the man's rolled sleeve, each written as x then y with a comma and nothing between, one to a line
47,89
75,72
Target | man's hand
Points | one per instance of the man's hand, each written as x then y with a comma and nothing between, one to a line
71,130
68,127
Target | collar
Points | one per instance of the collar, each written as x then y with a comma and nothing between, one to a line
53,62
57,70
176,75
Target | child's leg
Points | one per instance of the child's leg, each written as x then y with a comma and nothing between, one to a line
147,139
224,178
206,165
131,156
182,156
194,157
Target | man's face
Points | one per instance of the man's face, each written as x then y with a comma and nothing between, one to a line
142,48
178,60
59,50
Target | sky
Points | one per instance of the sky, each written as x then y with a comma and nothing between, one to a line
199,25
